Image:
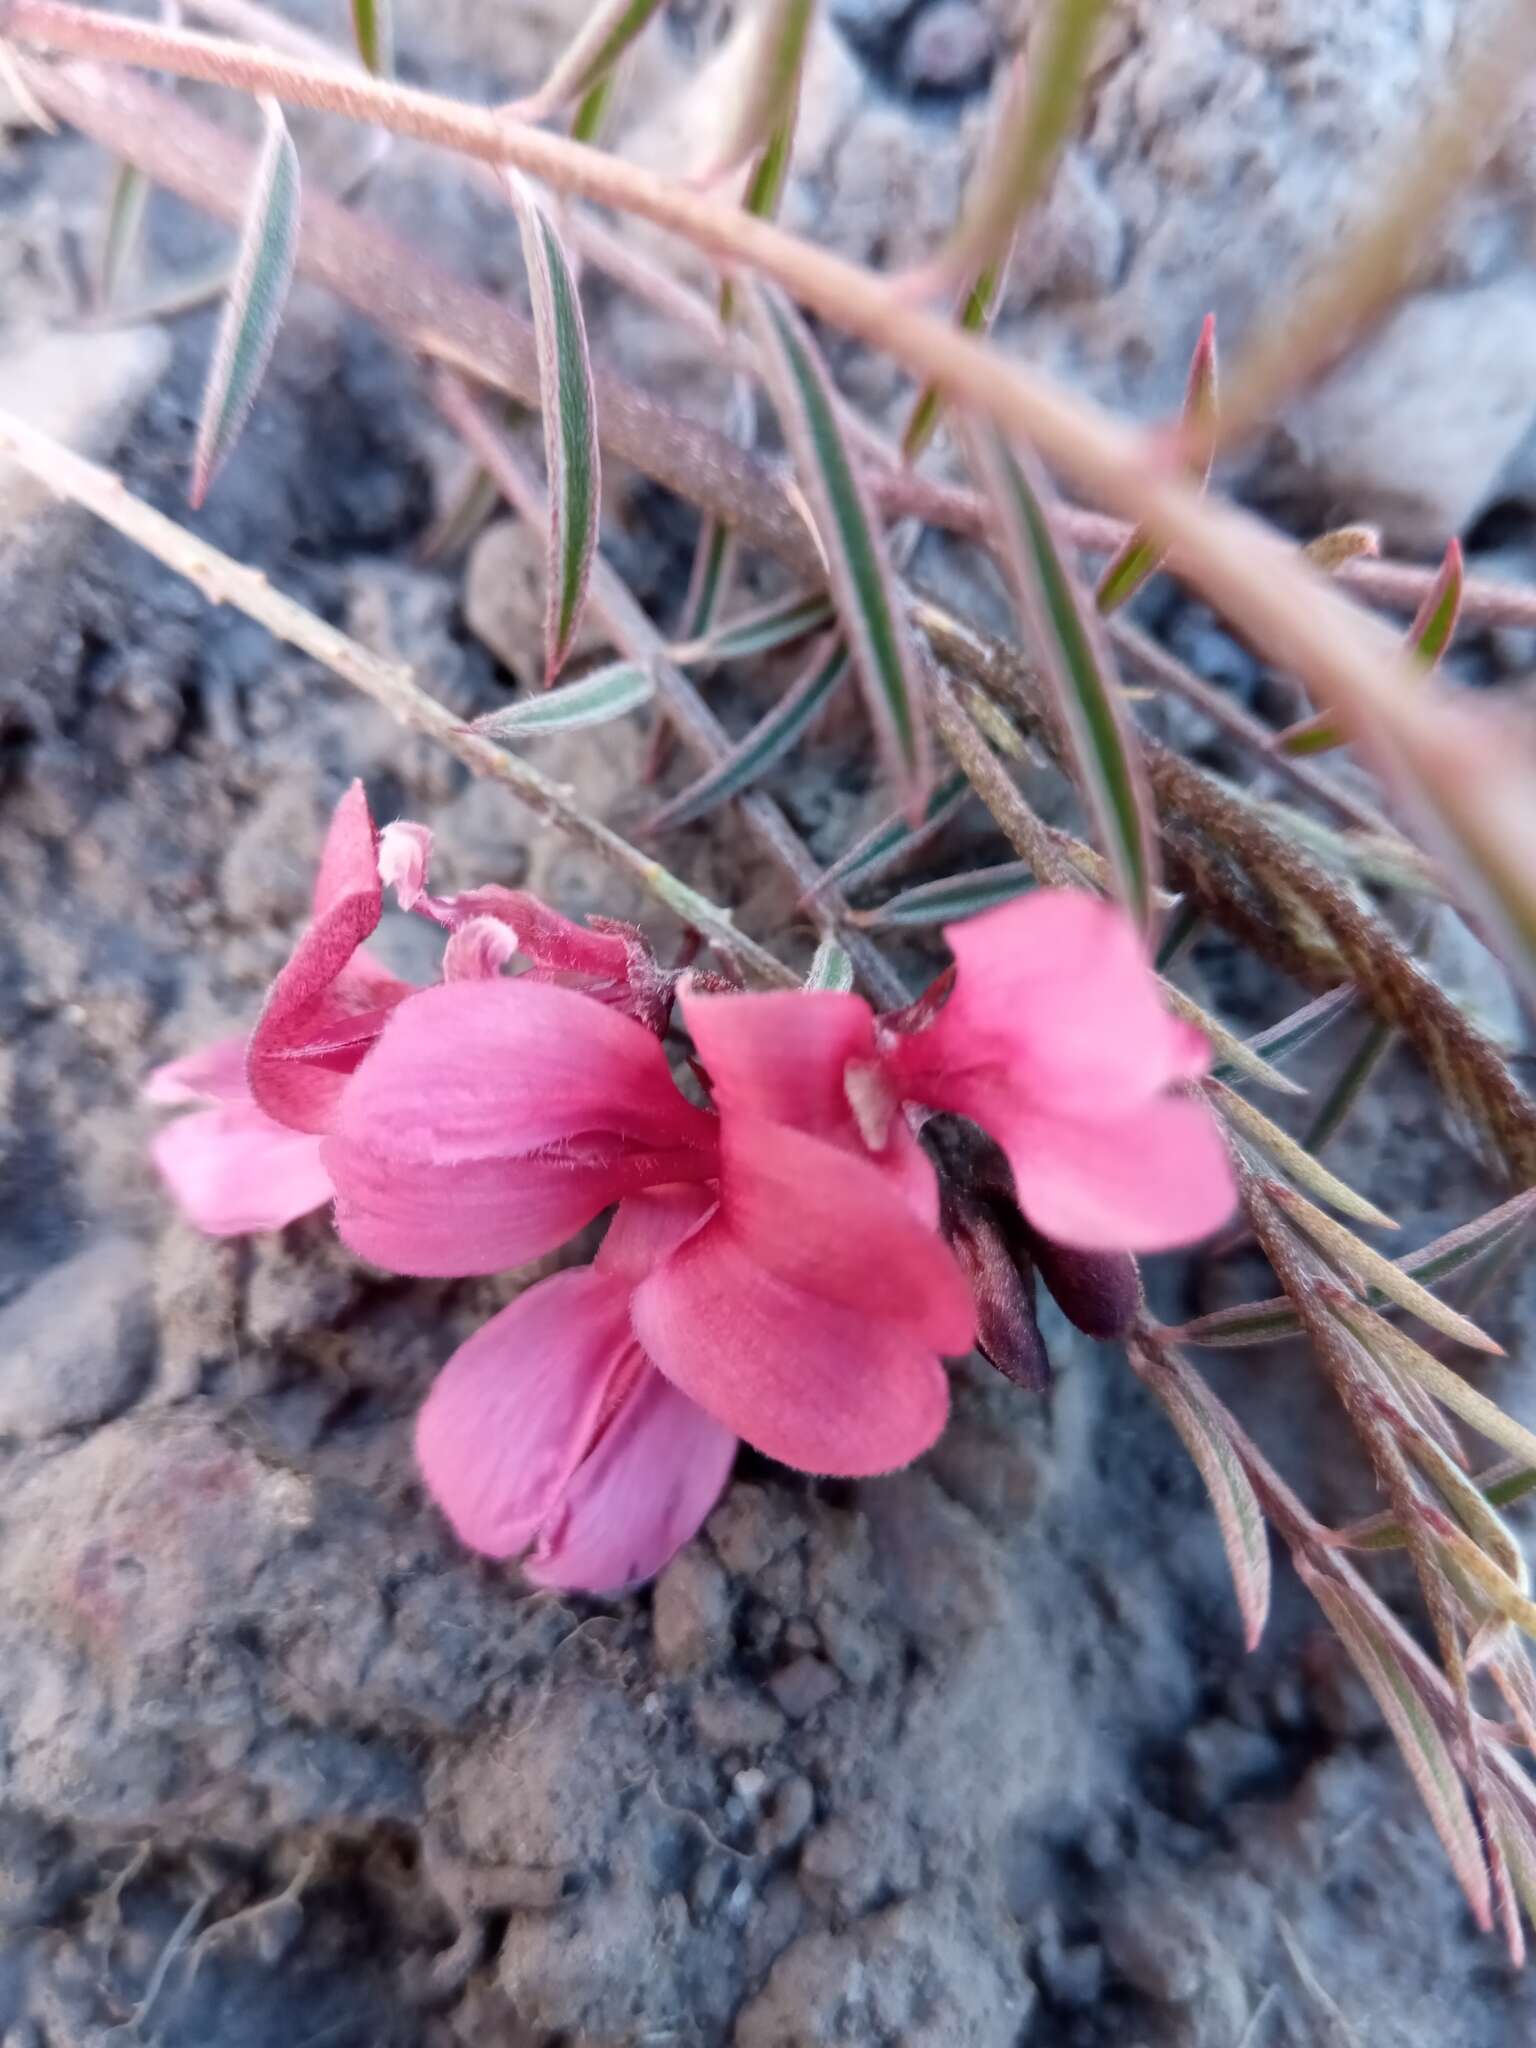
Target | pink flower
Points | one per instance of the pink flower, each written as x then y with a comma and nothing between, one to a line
1056,1041
551,1428
1053,1039
231,1168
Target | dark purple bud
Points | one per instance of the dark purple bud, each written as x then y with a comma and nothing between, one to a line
1099,1291
989,1240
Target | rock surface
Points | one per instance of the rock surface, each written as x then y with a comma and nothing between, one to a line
968,1755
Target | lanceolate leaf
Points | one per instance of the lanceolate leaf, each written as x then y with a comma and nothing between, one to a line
1266,1322
1198,1420
253,311
1380,1664
596,47
1304,1025
1428,638
1294,1160
776,625
772,79
374,28
592,110
1375,1043
1448,1388
1435,620
1139,558
1369,1266
831,969
713,558
768,741
977,306
765,188
934,903
1077,664
570,422
1037,117
893,840
888,658
606,694
1232,1055
123,230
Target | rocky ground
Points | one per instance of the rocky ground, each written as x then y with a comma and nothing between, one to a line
970,1755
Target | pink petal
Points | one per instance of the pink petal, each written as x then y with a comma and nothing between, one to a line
233,1170
782,1055
1156,1177
482,1215
515,1410
826,1388
1056,988
214,1073
478,949
329,1003
479,1071
657,1470
832,1224
647,1227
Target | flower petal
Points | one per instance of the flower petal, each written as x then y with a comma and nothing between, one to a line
214,1073
492,1070
481,1215
514,1411
1055,987
833,1224
233,1170
1154,1178
783,1055
824,1387
329,1003
655,1473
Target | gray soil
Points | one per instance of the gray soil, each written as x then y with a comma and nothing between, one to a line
968,1755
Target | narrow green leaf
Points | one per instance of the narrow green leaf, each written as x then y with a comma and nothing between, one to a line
775,625
1178,933
1040,108
933,903
974,316
886,654
768,741
1294,1160
1077,664
471,505
771,73
1435,620
253,311
591,54
1380,1664
1231,1055
1428,637
709,581
765,189
1448,1388
569,409
1199,1422
1138,558
1370,1267
1304,1025
122,232
1471,1507
831,970
593,109
373,26
1266,1322
1353,1079
1517,1844
1476,1565
1499,1486
893,840
606,694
